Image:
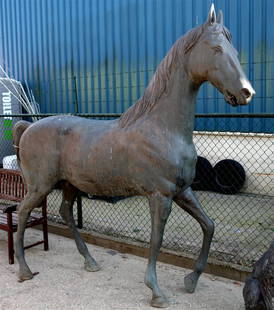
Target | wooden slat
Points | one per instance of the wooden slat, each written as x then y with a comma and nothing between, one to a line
34,219
11,185
4,206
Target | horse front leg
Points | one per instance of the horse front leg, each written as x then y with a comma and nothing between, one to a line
160,207
187,201
66,212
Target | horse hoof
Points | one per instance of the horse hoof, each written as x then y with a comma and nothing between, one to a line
92,267
159,302
191,282
26,276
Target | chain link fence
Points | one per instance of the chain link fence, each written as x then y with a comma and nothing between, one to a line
234,183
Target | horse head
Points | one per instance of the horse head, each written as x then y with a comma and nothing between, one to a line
213,58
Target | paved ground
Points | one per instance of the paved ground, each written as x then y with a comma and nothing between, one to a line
63,283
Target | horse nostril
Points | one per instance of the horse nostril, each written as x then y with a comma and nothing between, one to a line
246,93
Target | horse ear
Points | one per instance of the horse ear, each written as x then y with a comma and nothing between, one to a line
220,17
212,15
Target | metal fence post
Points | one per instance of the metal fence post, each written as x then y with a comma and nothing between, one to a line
79,211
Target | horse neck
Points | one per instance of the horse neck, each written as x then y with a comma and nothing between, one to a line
175,110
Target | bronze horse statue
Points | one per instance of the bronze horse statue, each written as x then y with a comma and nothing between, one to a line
258,291
148,151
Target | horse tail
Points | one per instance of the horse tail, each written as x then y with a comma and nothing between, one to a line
17,131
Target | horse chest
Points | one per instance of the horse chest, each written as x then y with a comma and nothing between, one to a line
172,167
184,163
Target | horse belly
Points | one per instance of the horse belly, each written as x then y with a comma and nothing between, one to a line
101,170
110,187
100,180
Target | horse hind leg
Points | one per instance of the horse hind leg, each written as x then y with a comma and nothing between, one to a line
32,200
66,212
187,201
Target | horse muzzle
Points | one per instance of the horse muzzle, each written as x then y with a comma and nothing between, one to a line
243,98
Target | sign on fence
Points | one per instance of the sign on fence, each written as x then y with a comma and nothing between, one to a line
10,92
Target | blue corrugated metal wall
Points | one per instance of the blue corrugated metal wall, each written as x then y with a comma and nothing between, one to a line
107,50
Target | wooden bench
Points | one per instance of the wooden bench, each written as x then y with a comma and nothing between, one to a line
12,191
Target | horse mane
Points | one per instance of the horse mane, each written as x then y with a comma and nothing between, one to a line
158,85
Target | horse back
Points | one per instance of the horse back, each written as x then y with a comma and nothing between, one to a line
56,146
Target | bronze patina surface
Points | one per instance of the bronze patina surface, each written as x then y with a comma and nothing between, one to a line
259,286
149,151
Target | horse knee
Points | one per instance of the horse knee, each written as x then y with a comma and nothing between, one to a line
23,212
210,227
63,211
166,212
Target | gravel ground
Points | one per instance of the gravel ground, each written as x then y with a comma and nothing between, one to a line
64,284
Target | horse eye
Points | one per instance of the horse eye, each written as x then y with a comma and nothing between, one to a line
217,49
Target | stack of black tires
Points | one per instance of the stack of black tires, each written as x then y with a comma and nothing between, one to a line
226,177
